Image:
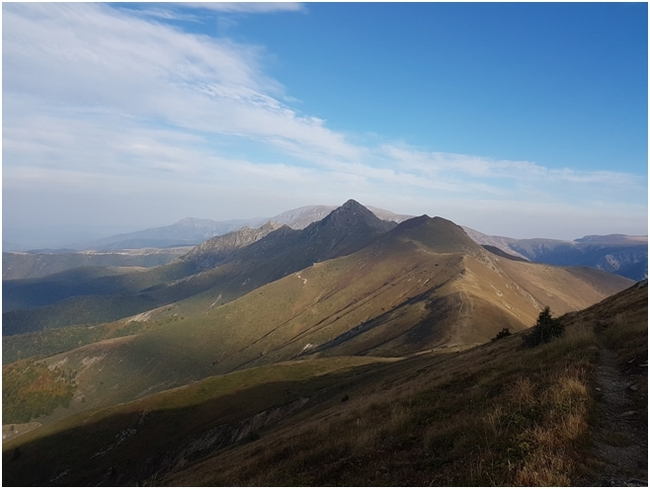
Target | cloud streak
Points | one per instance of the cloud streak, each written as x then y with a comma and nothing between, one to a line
94,94
249,7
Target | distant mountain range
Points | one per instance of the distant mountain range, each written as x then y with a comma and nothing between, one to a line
252,325
228,267
192,231
23,265
615,253
186,232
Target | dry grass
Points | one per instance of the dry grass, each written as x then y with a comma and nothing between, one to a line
553,441
495,415
498,414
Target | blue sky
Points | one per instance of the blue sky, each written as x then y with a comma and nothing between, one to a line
522,120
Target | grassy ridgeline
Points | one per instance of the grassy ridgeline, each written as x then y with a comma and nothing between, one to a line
498,414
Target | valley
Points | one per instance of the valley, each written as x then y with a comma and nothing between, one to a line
333,244
376,333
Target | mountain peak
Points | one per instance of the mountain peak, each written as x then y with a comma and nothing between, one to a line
351,204
352,216
346,229
435,233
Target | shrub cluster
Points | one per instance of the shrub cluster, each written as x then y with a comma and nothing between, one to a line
31,389
502,334
546,328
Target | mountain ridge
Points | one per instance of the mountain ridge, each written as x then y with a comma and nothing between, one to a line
193,231
378,331
622,254
422,285
241,269
226,267
616,253
217,249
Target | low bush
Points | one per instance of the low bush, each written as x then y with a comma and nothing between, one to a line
502,334
546,328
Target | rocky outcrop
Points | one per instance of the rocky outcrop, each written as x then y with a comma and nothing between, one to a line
217,250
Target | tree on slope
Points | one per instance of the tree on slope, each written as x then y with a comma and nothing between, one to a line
546,328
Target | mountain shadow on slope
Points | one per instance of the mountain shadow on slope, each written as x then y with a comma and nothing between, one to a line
344,231
244,259
380,429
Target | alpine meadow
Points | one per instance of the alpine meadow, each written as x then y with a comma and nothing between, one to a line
325,244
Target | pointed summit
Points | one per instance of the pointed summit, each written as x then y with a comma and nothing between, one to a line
346,229
351,204
351,215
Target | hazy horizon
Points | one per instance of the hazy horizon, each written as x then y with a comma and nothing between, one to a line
56,238
519,120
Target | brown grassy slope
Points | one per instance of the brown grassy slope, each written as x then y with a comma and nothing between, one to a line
273,323
496,415
172,427
618,454
422,286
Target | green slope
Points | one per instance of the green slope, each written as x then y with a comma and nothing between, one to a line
37,265
283,251
497,414
85,447
395,297
81,297
86,309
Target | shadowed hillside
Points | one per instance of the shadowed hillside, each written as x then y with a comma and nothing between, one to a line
16,266
422,285
496,414
247,264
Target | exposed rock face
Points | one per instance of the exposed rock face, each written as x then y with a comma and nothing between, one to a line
218,249
343,230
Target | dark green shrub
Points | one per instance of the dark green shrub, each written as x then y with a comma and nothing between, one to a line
502,334
546,328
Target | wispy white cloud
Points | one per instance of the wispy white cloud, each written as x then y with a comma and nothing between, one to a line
100,99
436,163
247,7
196,11
146,70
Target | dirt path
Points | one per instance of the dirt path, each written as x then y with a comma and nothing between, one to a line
620,442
